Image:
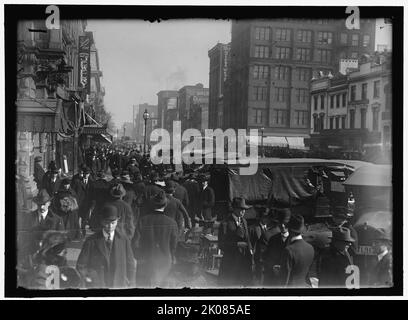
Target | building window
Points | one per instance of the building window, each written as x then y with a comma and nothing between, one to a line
322,122
366,40
301,117
303,74
323,56
363,118
261,33
324,37
302,95
261,52
377,89
337,101
343,122
354,40
352,118
343,38
322,102
282,73
332,101
331,122
337,122
315,123
261,72
283,34
304,36
260,93
303,54
279,116
344,97
282,53
315,102
354,55
375,119
353,93
258,116
364,91
281,94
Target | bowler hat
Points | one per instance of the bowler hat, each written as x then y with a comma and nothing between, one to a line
38,159
117,191
42,197
283,215
110,213
86,169
342,234
296,223
159,200
240,203
382,235
170,186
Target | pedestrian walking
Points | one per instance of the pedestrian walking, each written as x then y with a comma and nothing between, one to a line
382,273
38,172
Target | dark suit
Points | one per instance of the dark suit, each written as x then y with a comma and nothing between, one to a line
236,263
52,187
382,273
182,194
193,191
84,200
156,247
296,261
207,202
125,223
114,269
273,256
38,175
332,268
175,210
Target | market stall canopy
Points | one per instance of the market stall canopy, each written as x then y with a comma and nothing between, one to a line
371,175
376,219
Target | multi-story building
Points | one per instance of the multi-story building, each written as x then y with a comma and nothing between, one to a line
193,107
353,112
272,62
219,56
151,123
47,78
167,108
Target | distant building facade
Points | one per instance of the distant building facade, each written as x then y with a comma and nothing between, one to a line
167,108
151,123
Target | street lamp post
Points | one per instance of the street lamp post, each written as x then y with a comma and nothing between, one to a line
262,135
146,116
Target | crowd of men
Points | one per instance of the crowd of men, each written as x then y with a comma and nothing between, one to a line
142,214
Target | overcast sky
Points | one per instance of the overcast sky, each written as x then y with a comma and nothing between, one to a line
138,58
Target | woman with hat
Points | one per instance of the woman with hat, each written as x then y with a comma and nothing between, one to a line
382,273
334,260
233,240
106,259
156,244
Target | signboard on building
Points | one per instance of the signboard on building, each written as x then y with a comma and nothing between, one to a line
84,63
347,64
171,103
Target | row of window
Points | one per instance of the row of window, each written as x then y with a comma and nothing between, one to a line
301,54
339,122
364,88
305,36
283,73
280,94
280,117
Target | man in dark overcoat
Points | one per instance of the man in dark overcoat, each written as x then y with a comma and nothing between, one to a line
36,223
273,254
297,257
150,190
157,243
333,261
382,273
106,259
193,190
38,172
180,192
233,240
207,198
51,182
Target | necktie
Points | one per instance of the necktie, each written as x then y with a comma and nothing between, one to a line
109,244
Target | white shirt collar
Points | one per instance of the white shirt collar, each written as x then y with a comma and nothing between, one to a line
299,237
382,255
108,235
161,209
42,214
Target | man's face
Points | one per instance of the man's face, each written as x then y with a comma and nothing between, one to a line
43,207
239,212
283,228
109,225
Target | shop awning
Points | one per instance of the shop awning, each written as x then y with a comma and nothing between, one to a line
371,175
275,141
296,142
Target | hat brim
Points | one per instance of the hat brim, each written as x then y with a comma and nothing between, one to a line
343,240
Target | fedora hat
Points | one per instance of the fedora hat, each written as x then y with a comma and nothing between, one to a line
117,191
170,186
240,203
342,234
296,223
109,213
159,200
42,197
382,235
86,169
